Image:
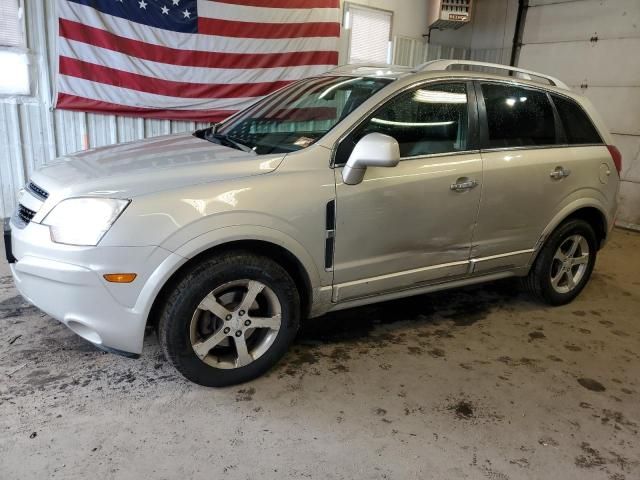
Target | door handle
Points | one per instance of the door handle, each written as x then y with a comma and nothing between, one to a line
559,173
463,184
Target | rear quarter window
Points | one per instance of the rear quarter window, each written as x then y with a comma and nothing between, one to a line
577,126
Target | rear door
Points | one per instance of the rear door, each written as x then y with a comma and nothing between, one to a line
530,172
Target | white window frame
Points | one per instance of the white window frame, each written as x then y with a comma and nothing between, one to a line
18,57
346,23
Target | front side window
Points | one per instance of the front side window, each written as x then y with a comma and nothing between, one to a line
518,117
296,116
577,126
428,120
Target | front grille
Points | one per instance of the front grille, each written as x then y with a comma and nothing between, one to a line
25,214
37,191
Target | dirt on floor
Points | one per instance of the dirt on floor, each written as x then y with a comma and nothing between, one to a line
475,383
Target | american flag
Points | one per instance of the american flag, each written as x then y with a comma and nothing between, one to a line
188,59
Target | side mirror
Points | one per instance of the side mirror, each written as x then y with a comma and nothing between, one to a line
373,150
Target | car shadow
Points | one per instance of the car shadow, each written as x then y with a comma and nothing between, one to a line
461,307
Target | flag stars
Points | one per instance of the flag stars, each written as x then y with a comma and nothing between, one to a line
186,13
142,4
175,2
165,11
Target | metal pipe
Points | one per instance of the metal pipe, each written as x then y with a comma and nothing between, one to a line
523,6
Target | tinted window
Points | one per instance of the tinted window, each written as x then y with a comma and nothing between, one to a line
424,121
518,117
577,126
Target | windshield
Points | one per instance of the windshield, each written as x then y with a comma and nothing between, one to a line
297,116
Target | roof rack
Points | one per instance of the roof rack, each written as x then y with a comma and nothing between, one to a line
525,74
354,67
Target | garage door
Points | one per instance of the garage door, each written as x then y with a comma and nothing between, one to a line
594,45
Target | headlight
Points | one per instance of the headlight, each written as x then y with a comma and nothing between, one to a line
83,221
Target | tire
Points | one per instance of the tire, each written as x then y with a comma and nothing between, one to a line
208,349
547,281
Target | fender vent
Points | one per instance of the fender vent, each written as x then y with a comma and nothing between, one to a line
330,226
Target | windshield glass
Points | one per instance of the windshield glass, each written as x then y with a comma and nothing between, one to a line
295,117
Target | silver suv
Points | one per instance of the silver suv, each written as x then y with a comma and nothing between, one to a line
362,185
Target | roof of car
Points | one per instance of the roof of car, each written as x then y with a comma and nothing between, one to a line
439,67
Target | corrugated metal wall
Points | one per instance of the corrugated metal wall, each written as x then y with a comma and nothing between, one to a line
32,134
414,51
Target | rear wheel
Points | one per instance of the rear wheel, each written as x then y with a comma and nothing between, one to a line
564,264
229,319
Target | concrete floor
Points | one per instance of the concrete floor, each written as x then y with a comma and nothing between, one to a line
475,383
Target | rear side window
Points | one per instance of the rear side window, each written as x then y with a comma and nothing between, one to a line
518,117
577,125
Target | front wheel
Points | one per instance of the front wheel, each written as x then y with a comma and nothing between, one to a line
564,264
229,319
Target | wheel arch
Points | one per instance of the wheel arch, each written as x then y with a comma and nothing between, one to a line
594,217
591,213
283,256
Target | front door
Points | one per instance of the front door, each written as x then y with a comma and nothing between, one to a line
410,225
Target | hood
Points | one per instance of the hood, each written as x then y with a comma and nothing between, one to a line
147,166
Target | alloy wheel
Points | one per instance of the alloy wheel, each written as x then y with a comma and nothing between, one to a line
235,324
569,263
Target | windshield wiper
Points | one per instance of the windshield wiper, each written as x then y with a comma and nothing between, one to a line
227,140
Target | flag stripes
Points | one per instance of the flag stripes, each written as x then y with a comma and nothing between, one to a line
189,59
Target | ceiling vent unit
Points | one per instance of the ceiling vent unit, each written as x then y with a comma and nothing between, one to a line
448,14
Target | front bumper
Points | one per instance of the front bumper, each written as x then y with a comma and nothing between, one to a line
67,283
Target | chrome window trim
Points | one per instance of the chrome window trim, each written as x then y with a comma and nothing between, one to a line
437,155
539,147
